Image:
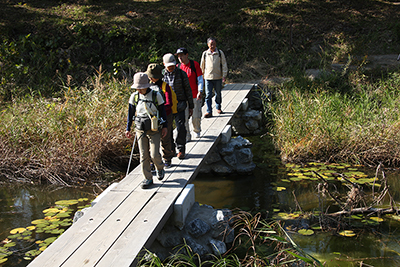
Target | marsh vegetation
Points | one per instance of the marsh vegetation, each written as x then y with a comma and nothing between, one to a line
66,67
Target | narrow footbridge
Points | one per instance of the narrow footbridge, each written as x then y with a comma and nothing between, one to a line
127,218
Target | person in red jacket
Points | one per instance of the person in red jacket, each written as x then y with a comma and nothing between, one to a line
193,71
154,71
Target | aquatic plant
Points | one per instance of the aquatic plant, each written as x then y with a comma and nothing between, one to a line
257,243
28,242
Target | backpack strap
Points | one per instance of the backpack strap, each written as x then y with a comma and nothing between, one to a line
154,98
193,67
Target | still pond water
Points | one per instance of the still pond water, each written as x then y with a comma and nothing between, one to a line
377,245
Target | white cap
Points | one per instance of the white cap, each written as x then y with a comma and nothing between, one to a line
169,60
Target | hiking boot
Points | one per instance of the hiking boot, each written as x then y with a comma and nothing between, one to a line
147,183
220,111
181,155
167,164
197,135
160,174
208,115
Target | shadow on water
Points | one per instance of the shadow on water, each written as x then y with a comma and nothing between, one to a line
241,191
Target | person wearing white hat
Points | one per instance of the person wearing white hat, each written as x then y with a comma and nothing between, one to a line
178,80
195,75
144,105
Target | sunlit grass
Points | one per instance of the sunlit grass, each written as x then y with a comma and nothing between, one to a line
68,137
318,122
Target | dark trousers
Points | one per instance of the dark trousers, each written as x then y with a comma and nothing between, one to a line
180,141
167,141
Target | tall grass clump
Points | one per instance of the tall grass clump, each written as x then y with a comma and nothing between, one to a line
337,119
257,243
68,139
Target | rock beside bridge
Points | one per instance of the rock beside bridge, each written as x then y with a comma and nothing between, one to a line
230,158
207,231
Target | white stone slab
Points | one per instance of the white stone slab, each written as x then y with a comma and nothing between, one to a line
245,104
226,134
182,206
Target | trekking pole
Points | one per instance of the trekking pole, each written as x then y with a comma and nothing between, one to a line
130,159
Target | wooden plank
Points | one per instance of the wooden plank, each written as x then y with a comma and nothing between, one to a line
124,250
110,230
78,233
127,209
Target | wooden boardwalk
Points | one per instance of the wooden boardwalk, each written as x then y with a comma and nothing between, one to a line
128,218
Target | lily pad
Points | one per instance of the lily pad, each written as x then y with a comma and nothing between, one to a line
17,230
370,222
57,231
377,219
396,217
63,215
347,233
32,253
280,188
306,232
50,240
11,244
39,221
51,210
67,202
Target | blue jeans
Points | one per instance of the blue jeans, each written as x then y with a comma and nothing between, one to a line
217,85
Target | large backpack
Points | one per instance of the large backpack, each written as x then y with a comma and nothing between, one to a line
174,99
154,98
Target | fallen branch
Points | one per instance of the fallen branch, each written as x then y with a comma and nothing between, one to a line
381,211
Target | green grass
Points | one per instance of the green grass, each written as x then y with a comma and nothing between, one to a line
257,243
64,140
315,121
43,41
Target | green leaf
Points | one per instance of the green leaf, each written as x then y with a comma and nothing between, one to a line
347,233
306,232
300,257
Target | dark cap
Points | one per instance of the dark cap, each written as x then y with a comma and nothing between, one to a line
154,71
181,50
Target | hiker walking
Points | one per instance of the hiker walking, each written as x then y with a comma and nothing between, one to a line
145,107
215,69
178,81
154,71
195,75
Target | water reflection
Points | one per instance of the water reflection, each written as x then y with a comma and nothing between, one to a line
241,191
376,246
21,204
